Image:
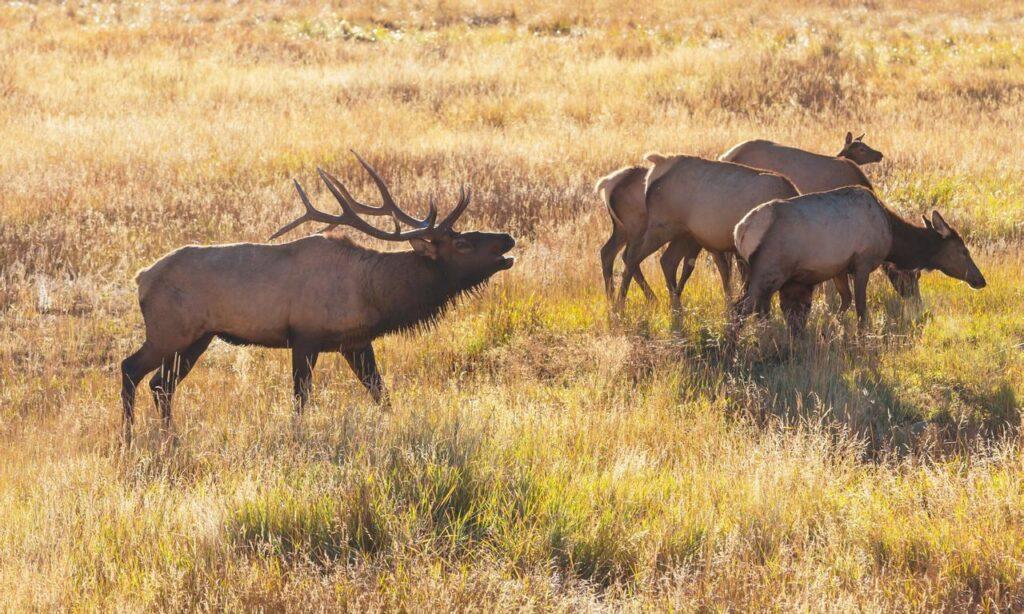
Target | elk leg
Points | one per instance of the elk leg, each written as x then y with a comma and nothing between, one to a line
744,270
364,365
640,279
678,250
724,263
635,254
842,285
304,355
795,300
757,295
644,286
609,250
860,296
133,369
172,371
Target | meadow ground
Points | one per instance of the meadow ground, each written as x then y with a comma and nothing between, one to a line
537,455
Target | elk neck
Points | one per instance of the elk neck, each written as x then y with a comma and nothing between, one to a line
408,289
912,246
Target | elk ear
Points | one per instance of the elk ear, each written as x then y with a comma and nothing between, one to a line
424,248
654,158
849,138
861,137
941,226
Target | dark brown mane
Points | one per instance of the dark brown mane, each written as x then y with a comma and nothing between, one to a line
419,302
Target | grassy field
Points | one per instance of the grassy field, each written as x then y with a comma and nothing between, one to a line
538,456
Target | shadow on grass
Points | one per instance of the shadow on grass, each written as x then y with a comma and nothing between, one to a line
834,375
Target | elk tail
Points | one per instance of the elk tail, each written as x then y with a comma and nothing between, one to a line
750,232
607,184
148,276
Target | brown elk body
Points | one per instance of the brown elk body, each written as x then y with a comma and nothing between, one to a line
813,172
623,194
316,294
695,203
792,245
809,171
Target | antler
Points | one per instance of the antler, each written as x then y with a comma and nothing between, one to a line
460,208
348,217
388,208
351,208
388,205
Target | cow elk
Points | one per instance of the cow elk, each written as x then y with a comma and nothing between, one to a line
809,171
813,172
856,150
317,294
623,194
793,245
695,203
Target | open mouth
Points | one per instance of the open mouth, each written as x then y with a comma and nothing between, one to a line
506,262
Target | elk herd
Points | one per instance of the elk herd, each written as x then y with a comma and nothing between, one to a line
790,219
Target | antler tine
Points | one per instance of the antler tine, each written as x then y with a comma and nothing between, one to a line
388,203
431,219
312,214
358,207
350,218
460,208
341,194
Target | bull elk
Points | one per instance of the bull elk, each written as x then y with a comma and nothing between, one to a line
794,244
317,294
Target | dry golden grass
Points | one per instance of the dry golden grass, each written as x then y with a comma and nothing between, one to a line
537,456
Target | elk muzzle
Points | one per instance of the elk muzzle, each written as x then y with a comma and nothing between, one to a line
502,248
975,279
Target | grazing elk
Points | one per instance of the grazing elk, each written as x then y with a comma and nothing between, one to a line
623,194
812,172
794,244
316,294
815,172
695,203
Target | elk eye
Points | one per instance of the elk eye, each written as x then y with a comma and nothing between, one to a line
463,245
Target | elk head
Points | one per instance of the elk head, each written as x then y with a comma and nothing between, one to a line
467,257
858,152
951,256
